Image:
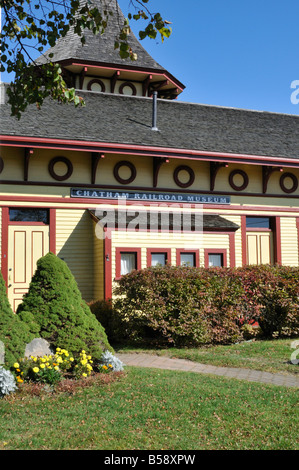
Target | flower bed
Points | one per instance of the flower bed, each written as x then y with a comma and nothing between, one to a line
51,370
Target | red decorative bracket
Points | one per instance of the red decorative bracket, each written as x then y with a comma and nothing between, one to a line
27,155
95,158
214,168
267,172
145,84
113,80
157,163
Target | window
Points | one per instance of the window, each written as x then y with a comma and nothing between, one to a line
126,260
258,222
158,257
215,258
128,263
187,258
29,215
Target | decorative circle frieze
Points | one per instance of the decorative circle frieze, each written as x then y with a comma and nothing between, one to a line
99,82
282,184
123,180
245,180
1,164
130,85
64,160
189,171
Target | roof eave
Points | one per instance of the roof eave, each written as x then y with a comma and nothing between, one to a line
145,150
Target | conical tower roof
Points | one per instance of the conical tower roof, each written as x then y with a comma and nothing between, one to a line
98,57
100,48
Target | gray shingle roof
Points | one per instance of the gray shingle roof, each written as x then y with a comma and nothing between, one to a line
176,221
120,119
100,48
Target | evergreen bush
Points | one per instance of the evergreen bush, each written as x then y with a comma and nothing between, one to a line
14,333
54,309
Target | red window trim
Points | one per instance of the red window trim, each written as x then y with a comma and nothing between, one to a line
183,250
28,223
118,252
213,251
149,252
261,229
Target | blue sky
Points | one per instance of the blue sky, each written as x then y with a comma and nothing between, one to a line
235,53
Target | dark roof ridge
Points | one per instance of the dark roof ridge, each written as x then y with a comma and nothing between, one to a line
189,103
173,102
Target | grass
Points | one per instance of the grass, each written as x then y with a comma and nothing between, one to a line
270,356
145,409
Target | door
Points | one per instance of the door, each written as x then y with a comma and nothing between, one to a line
260,248
26,244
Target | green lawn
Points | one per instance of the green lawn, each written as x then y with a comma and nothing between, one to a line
270,356
147,409
154,410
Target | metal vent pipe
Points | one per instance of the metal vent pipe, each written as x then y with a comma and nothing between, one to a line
154,123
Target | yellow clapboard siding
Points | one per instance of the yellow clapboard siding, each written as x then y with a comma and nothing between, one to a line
289,241
98,287
74,244
238,237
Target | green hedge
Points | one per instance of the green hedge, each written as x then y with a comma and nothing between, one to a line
185,306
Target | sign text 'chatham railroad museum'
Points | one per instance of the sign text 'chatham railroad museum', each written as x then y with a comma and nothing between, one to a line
149,197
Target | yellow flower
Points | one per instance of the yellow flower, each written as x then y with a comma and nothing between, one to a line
71,359
56,368
16,365
83,362
35,369
84,375
42,366
105,367
19,379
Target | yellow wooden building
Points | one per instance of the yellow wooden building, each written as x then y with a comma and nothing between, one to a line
137,177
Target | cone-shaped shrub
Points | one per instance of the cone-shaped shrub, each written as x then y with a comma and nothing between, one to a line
54,310
13,332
